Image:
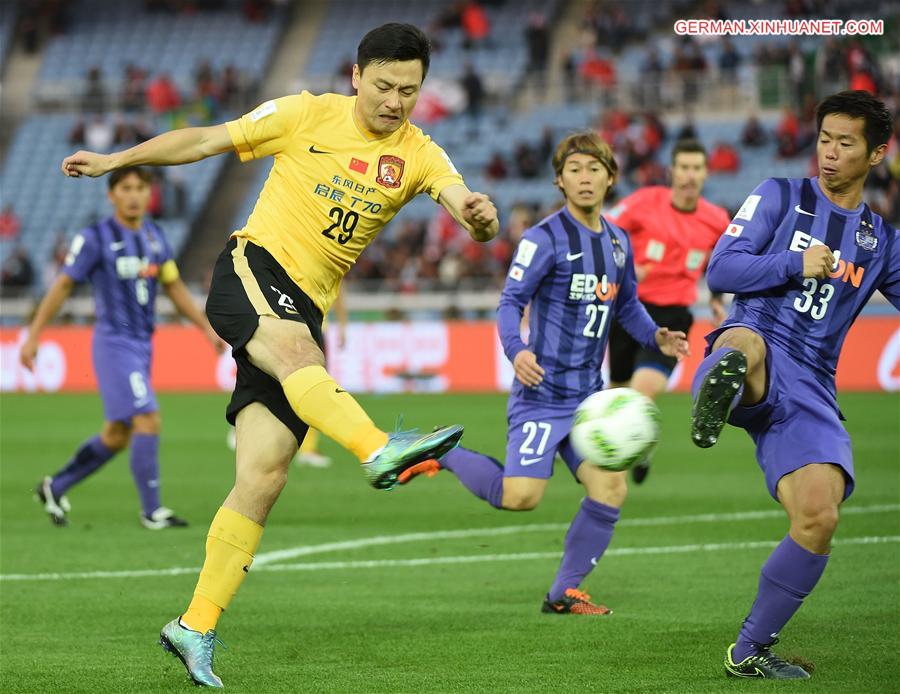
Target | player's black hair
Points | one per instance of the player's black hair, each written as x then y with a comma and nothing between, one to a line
394,41
120,174
688,145
859,104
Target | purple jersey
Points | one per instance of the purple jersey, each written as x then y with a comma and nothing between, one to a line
123,265
574,278
760,259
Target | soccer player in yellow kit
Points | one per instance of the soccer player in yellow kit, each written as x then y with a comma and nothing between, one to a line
343,167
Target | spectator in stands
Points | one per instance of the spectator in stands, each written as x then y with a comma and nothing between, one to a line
729,60
796,72
93,97
687,131
230,88
10,225
724,158
474,89
134,86
99,134
753,134
495,169
475,24
537,39
17,271
689,66
652,75
206,93
162,96
527,163
829,67
794,134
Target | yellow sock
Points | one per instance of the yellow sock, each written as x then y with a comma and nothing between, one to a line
230,545
310,442
324,405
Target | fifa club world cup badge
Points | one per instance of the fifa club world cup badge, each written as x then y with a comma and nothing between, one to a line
390,171
865,236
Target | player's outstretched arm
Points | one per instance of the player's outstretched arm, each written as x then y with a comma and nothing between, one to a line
474,211
181,297
48,308
181,146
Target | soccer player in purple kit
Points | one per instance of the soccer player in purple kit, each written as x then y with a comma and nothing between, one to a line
125,257
802,256
576,270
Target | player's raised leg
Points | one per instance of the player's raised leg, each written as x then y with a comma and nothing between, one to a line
734,372
811,496
287,351
90,457
265,447
587,539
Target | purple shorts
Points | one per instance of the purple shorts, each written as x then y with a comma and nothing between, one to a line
536,434
122,367
797,423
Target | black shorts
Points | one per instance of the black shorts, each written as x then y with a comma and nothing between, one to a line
247,283
626,355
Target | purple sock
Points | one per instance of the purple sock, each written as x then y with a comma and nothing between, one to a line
145,469
479,473
787,577
90,456
704,368
587,540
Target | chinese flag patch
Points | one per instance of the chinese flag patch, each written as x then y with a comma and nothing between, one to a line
359,165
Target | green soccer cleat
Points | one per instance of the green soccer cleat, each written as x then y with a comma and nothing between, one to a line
764,664
406,448
194,649
713,403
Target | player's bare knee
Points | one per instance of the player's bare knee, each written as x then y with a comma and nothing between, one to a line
747,341
115,435
148,423
521,502
816,522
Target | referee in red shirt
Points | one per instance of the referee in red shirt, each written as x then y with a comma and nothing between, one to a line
673,231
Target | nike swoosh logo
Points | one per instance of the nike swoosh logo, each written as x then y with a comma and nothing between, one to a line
594,561
338,390
799,209
525,462
312,148
117,245
573,256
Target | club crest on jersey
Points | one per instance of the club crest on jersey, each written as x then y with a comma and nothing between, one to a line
390,171
618,255
865,236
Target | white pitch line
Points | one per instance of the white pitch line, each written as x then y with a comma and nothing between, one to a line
431,561
379,540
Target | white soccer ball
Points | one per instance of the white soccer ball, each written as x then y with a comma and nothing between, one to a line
615,428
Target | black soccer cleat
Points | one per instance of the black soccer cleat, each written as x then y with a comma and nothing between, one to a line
640,470
713,403
161,519
763,665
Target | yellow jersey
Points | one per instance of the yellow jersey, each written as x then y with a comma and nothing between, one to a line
333,186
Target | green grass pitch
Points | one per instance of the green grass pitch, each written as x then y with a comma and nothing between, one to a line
442,611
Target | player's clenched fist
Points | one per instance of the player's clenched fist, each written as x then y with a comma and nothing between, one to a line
480,212
84,163
817,261
528,371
